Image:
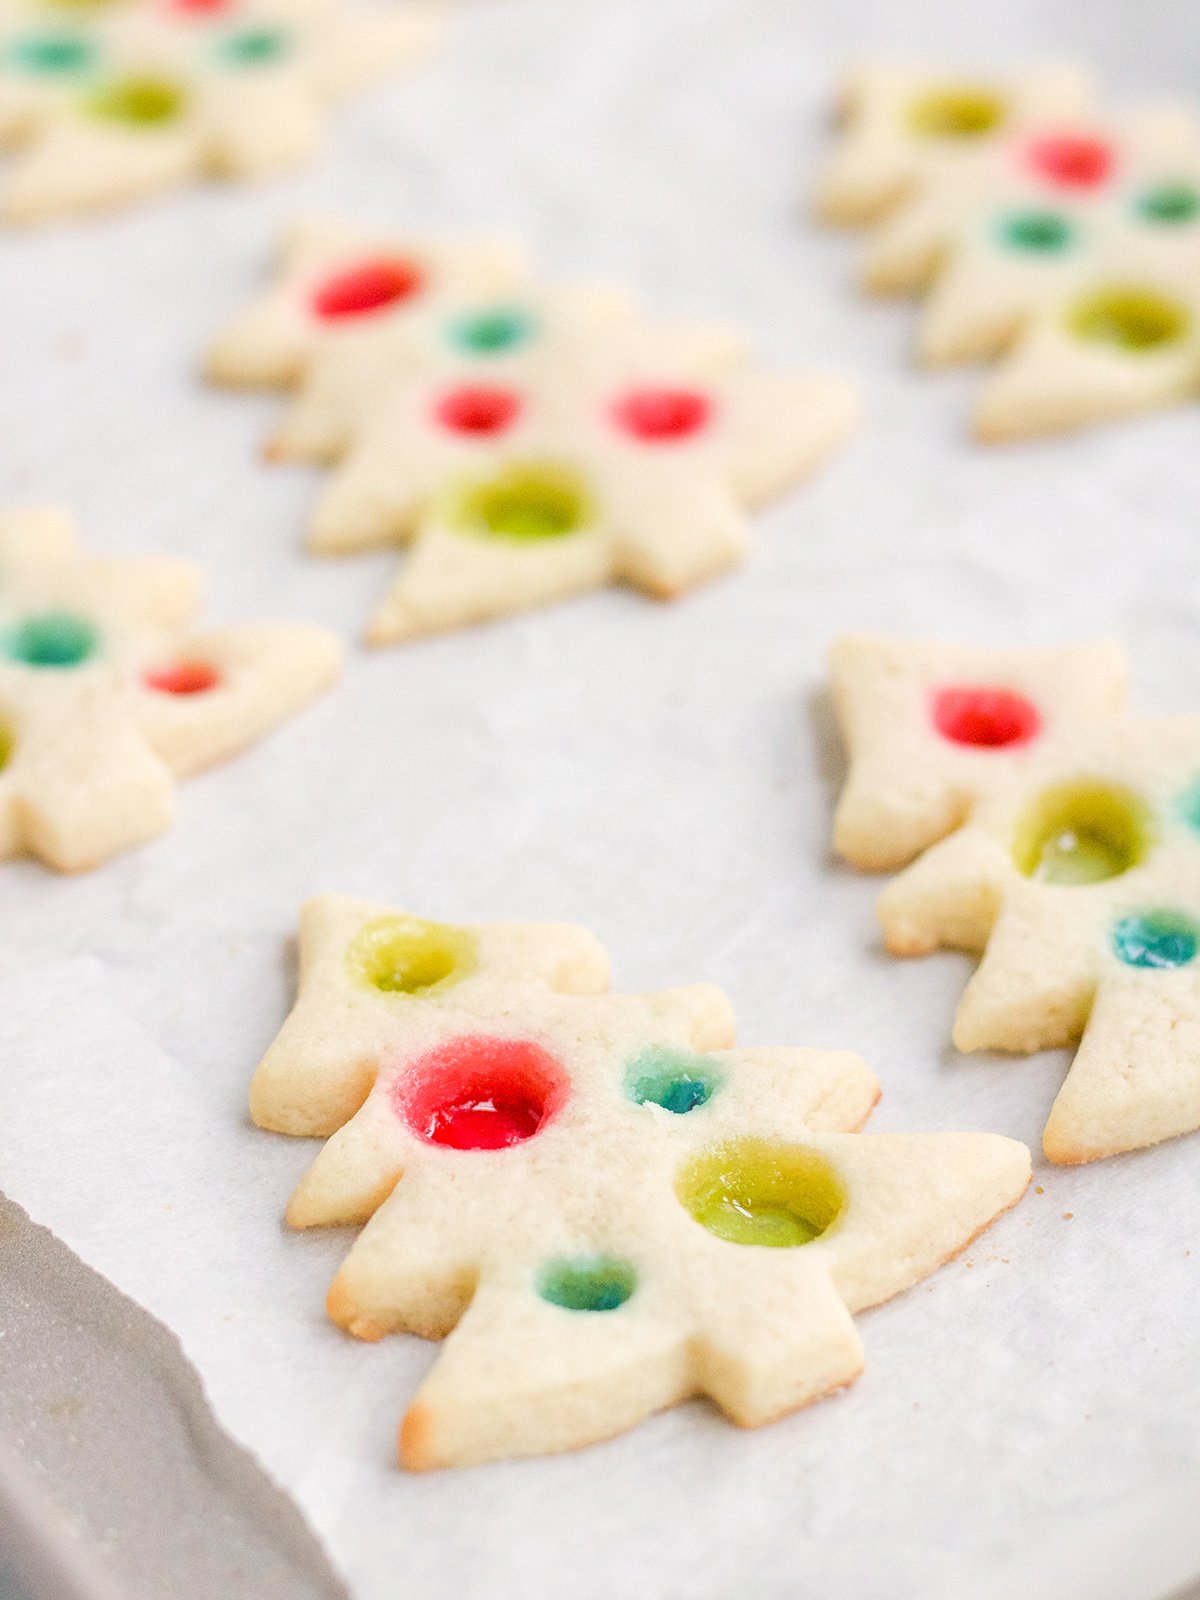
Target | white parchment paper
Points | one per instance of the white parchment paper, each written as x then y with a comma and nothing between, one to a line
661,774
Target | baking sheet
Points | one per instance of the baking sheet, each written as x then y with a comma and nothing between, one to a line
663,775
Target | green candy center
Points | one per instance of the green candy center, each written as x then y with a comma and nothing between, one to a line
489,332
1134,319
254,47
139,102
956,114
1044,232
1169,202
525,504
1081,833
753,1192
405,955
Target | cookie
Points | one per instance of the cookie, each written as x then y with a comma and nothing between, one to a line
902,126
563,1183
632,460
338,285
1059,835
107,696
1065,245
109,105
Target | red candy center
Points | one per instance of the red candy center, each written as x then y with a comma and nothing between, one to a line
200,8
1073,161
991,718
368,287
662,414
184,677
480,1093
477,410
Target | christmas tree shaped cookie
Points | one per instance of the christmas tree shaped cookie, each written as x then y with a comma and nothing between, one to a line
528,444
109,101
107,696
599,1204
1060,836
1062,243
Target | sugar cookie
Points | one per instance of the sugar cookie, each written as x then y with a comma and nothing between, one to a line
107,103
563,1183
1061,838
1064,244
106,697
528,443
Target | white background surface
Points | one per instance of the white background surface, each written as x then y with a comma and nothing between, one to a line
663,775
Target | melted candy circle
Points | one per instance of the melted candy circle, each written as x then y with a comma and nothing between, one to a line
1072,160
1170,203
1188,805
1083,832
370,286
1042,232
54,639
661,415
139,102
673,1079
254,47
477,409
489,332
751,1192
406,955
988,718
524,502
1161,939
586,1283
480,1093
183,677
956,113
1131,317
52,54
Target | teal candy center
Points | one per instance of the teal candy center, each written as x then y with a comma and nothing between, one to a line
54,639
1188,805
586,1283
672,1079
1042,231
52,53
254,47
489,332
1162,939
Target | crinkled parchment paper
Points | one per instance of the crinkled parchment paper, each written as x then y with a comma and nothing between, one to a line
663,775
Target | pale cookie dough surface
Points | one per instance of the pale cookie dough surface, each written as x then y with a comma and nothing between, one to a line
665,777
1061,839
109,103
602,1206
108,694
1058,237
